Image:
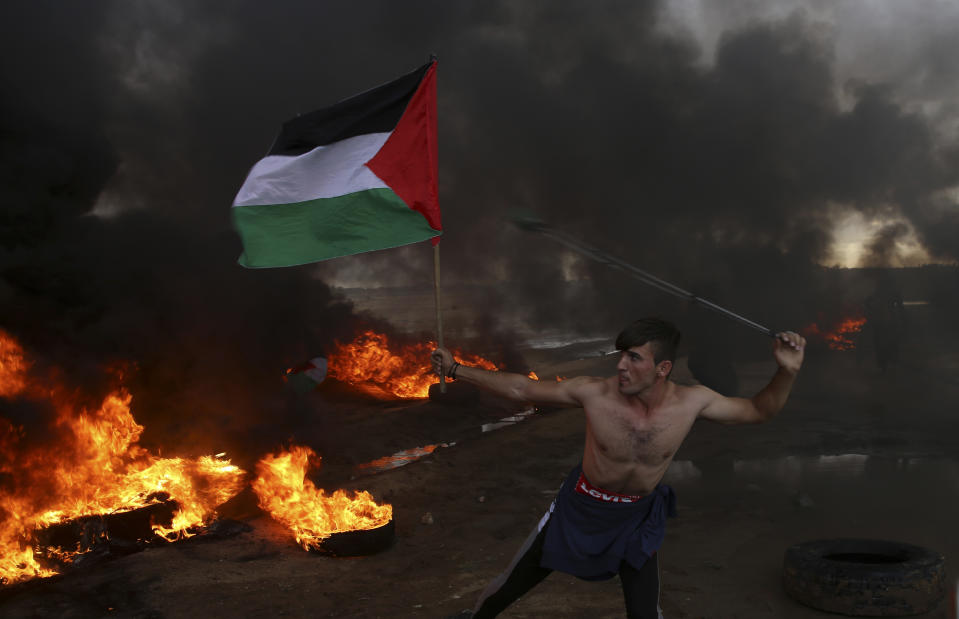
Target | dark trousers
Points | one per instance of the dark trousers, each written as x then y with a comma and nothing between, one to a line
640,587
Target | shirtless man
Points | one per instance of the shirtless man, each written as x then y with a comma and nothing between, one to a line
609,517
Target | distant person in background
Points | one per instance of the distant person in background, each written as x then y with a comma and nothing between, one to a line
885,317
609,517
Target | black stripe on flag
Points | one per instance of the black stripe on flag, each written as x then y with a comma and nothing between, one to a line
375,111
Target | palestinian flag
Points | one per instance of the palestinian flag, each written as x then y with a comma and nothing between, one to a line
308,376
355,177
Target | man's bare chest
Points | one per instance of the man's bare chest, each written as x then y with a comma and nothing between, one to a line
628,436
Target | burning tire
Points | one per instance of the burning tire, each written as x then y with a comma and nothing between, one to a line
864,578
359,543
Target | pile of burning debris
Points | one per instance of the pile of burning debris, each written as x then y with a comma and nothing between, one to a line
371,363
97,493
841,334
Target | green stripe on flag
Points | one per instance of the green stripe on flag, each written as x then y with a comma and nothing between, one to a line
277,235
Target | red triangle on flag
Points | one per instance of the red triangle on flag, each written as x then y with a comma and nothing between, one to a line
407,162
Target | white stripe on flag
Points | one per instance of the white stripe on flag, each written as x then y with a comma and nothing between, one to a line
318,371
325,172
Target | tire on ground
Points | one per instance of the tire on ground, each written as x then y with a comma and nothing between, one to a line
864,578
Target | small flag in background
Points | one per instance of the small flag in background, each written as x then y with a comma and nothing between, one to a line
308,376
355,177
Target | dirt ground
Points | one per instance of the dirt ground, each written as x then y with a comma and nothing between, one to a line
855,453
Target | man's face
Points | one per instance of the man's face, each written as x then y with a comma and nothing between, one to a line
637,370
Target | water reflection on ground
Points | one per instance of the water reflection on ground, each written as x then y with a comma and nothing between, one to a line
400,458
794,472
508,421
408,456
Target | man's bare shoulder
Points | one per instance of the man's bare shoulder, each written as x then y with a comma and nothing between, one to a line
694,397
587,388
592,385
569,392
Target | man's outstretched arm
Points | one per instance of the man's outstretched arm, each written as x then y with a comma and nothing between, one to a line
788,349
517,387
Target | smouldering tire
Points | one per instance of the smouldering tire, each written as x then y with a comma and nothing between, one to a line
864,578
358,543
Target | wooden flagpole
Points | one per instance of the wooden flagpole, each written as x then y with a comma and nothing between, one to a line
439,313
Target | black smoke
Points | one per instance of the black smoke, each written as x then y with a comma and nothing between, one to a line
128,127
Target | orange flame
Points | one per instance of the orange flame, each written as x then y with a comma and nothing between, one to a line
96,469
286,494
400,371
840,336
533,376
12,366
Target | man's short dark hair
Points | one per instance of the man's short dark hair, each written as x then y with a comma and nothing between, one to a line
663,335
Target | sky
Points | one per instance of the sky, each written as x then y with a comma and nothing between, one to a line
904,47
731,147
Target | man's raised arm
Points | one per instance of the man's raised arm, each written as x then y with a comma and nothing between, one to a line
516,386
788,349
